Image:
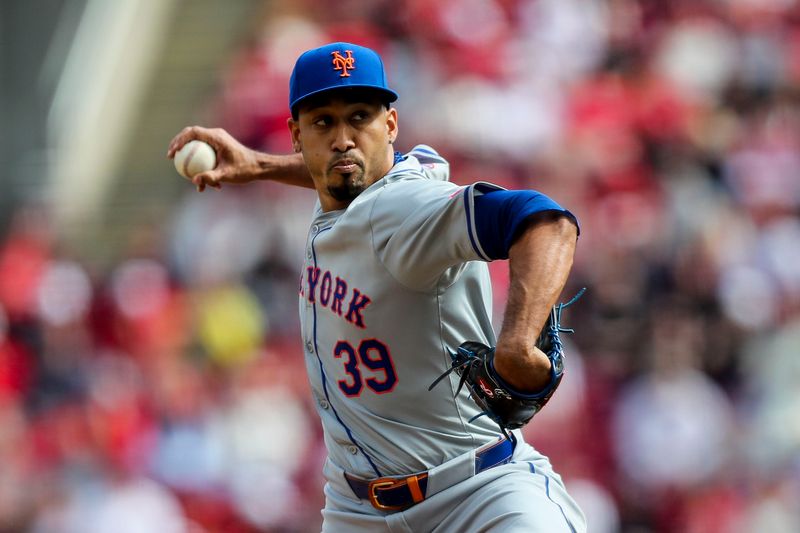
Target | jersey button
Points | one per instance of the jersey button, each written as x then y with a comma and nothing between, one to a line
308,255
310,347
352,449
315,229
324,404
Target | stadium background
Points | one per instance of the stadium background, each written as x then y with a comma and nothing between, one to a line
151,375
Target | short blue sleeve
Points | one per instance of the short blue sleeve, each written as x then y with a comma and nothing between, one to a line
500,216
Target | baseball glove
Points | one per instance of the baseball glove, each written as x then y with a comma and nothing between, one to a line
510,409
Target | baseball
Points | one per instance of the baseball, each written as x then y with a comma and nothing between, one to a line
195,157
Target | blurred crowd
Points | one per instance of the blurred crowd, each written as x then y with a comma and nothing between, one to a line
167,393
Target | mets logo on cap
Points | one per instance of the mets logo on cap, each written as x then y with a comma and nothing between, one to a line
344,63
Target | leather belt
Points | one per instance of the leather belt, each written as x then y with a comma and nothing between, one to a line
400,493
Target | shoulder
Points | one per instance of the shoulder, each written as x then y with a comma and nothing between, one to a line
409,203
427,156
410,192
421,161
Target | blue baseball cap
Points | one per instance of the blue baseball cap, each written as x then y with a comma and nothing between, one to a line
335,66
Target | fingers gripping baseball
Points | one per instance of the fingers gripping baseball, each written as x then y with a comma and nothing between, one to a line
232,158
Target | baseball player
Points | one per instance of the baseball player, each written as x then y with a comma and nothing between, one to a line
396,298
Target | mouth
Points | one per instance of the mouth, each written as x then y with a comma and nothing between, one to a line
344,166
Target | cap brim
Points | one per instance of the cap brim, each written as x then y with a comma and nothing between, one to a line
392,96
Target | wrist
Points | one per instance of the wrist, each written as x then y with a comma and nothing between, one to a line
524,369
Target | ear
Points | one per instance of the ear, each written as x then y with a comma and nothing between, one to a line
294,130
391,124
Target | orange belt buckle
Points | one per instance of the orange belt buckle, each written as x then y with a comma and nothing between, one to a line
381,483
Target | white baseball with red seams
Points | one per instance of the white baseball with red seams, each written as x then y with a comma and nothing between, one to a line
195,157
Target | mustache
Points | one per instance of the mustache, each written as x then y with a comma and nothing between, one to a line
347,159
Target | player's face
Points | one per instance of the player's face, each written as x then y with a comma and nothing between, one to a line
346,144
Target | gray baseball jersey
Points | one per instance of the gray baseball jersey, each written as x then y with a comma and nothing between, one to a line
390,286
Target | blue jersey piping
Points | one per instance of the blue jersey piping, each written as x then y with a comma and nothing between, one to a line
322,370
547,490
425,151
469,225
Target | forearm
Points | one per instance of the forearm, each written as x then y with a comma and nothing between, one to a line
238,164
539,261
288,169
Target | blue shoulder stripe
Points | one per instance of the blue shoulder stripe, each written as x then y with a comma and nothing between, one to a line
499,216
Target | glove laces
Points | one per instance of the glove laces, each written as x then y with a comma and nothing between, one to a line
469,358
555,326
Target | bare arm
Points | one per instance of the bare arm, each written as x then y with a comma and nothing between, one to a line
239,164
540,260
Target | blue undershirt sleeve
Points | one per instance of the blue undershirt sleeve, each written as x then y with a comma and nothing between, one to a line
500,215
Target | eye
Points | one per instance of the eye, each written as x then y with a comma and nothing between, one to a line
360,116
322,122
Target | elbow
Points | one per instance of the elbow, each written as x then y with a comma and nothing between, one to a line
554,234
567,228
558,225
566,231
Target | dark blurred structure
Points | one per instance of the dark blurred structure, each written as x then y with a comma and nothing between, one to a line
164,389
25,34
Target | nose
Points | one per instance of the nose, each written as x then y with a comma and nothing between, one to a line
342,139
